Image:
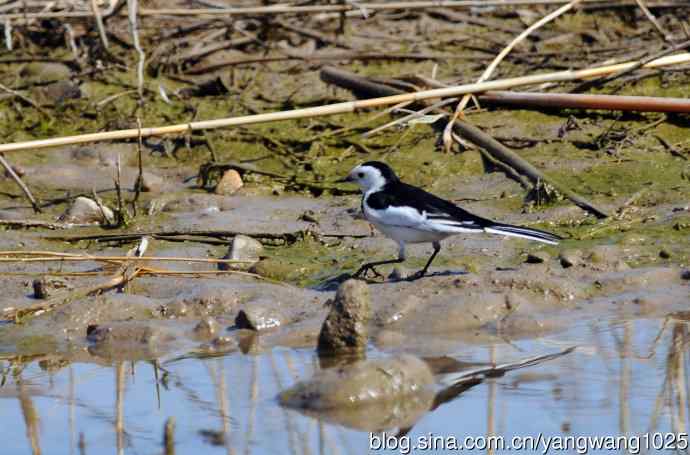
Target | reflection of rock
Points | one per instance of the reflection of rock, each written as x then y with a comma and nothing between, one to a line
84,210
207,328
345,327
369,395
128,340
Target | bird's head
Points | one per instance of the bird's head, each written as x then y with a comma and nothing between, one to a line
372,175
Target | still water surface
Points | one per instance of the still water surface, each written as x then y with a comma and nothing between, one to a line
626,378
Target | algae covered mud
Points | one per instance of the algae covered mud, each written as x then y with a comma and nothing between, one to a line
190,292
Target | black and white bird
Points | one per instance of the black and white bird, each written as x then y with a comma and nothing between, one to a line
408,214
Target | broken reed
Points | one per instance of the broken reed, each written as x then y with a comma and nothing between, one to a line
345,107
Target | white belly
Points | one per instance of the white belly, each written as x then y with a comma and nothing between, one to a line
404,224
409,235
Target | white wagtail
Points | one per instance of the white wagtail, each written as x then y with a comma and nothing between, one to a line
408,214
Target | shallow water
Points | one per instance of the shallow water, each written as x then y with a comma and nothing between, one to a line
627,377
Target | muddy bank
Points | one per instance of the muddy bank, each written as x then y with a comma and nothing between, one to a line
434,316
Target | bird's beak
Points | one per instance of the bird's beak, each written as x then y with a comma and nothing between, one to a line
347,179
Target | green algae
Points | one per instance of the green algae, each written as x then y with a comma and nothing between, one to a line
607,168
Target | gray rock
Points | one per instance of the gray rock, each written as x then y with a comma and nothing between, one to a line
260,315
230,183
56,93
40,288
84,210
243,248
345,327
45,72
152,183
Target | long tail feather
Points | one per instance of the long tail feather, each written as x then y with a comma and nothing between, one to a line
525,233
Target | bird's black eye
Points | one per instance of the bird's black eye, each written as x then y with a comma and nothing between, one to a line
360,175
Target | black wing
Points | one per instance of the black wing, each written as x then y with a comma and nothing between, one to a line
399,194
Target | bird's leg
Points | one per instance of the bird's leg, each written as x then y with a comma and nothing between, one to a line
370,265
421,273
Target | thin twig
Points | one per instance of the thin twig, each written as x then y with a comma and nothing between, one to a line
349,8
139,182
447,139
99,23
36,224
24,98
85,258
664,35
132,7
629,68
20,183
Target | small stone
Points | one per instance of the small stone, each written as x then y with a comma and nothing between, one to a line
345,327
152,183
84,210
664,254
17,170
570,258
45,72
243,248
259,316
56,93
538,257
207,328
230,183
40,289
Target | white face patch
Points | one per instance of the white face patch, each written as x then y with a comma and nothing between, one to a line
368,178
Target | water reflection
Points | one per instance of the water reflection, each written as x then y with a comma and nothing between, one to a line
628,378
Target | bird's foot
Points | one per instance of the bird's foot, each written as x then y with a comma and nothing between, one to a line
364,271
415,276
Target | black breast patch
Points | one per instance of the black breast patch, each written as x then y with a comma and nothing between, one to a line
379,200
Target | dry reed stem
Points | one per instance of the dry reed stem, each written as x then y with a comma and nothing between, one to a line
447,133
57,257
20,183
348,8
664,35
132,13
587,101
345,107
99,23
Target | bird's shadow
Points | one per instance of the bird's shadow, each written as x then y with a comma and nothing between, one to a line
332,283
